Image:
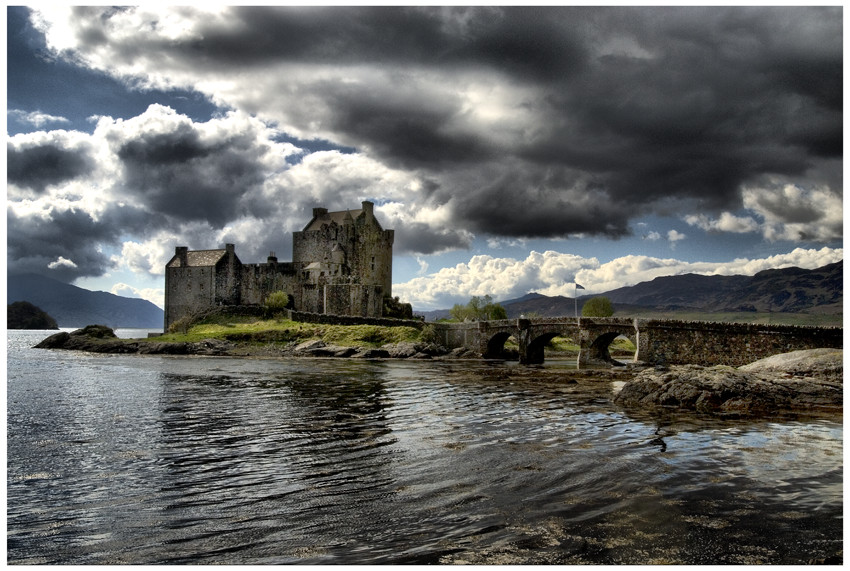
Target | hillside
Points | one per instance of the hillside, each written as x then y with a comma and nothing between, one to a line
73,306
787,290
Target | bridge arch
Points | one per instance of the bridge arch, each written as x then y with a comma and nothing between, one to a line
596,338
535,350
495,348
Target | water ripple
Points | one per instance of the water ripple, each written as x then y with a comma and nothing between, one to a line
155,460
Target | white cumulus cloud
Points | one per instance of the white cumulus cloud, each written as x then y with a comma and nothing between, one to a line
36,118
154,295
552,273
61,262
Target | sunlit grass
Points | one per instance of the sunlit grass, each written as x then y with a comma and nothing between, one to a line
251,330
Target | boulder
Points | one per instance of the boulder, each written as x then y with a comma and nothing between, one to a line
308,346
164,348
96,331
55,341
366,353
799,380
211,347
820,363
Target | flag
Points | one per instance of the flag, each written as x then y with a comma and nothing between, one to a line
579,286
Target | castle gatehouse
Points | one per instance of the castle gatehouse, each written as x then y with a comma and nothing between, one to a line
341,264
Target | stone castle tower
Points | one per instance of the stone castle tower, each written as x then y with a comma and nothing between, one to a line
341,265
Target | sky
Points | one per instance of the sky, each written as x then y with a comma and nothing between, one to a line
512,150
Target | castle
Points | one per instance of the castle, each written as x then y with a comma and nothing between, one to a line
341,264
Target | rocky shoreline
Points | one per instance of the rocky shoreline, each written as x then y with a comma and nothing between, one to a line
102,339
810,380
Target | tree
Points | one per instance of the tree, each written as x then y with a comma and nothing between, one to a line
597,307
478,309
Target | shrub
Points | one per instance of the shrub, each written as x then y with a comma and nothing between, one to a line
276,301
429,335
394,308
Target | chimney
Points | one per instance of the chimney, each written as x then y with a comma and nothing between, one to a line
182,254
368,208
319,212
272,258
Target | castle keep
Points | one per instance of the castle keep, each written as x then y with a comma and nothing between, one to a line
341,264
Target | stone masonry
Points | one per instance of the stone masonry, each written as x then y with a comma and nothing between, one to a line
341,264
658,342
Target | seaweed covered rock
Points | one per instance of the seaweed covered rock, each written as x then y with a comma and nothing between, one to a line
95,338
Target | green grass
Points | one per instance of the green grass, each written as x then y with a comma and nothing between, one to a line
251,330
566,345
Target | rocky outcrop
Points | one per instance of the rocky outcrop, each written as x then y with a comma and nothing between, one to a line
414,350
95,338
810,380
102,339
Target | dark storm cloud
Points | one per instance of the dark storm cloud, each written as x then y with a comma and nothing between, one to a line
35,242
39,166
422,239
418,134
580,118
177,173
558,200
697,103
714,107
529,43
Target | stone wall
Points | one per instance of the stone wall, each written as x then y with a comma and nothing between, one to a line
734,344
189,291
453,335
259,280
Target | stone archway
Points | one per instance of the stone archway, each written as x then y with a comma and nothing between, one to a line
535,349
496,345
594,348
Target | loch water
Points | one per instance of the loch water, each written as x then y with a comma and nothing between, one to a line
129,459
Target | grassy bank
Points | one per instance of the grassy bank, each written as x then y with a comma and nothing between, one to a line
251,330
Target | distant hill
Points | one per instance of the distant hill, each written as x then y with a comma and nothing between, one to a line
24,315
73,306
787,290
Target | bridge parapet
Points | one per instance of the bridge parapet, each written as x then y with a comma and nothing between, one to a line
712,343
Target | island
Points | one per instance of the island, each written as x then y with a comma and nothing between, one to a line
24,315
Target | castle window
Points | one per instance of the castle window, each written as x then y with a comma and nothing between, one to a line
373,263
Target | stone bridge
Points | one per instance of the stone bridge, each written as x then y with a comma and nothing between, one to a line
657,341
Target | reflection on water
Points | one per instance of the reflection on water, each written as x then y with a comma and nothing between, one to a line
134,459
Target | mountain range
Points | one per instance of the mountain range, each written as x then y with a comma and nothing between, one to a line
73,306
787,290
